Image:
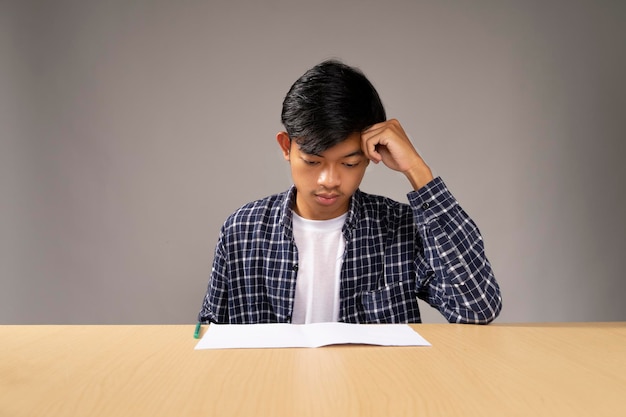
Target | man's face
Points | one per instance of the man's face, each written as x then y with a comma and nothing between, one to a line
325,182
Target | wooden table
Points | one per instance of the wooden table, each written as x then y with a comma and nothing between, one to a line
575,369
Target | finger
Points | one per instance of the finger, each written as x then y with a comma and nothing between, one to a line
374,129
377,137
369,148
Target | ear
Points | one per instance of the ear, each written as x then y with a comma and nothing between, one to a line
285,144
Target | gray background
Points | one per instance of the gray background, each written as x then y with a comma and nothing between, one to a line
130,130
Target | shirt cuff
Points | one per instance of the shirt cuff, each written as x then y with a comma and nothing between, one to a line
432,200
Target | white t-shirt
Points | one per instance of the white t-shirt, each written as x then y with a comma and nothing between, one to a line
320,246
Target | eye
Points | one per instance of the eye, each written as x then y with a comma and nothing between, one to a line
351,165
309,162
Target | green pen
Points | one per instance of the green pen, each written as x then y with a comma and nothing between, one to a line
196,333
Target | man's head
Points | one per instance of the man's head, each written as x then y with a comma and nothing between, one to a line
327,104
324,113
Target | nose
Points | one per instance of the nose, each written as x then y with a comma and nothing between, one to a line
329,177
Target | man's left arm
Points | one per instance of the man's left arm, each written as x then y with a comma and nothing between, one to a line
454,274
453,270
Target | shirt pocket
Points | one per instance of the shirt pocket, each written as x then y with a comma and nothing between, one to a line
394,303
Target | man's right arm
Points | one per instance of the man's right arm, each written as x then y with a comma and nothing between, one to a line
215,304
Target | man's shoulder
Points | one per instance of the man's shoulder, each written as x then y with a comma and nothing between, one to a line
374,203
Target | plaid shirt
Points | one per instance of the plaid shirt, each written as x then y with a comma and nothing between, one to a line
394,253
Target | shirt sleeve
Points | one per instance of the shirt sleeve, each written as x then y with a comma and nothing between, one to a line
454,274
215,303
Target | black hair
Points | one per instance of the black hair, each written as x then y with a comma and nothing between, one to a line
327,104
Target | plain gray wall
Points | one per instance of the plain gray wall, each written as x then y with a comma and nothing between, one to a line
131,129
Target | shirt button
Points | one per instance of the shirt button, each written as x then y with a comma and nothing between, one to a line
425,206
295,268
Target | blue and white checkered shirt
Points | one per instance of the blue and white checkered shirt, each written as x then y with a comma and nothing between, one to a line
394,253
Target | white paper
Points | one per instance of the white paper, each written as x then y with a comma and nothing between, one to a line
280,335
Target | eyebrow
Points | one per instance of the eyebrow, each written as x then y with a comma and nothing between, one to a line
355,153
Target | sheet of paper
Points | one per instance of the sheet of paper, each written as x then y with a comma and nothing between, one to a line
279,335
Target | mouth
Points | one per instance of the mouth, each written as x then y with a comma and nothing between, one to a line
326,199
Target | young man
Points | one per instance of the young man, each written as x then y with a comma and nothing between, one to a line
325,251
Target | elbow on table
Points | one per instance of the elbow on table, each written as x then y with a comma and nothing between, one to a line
485,315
